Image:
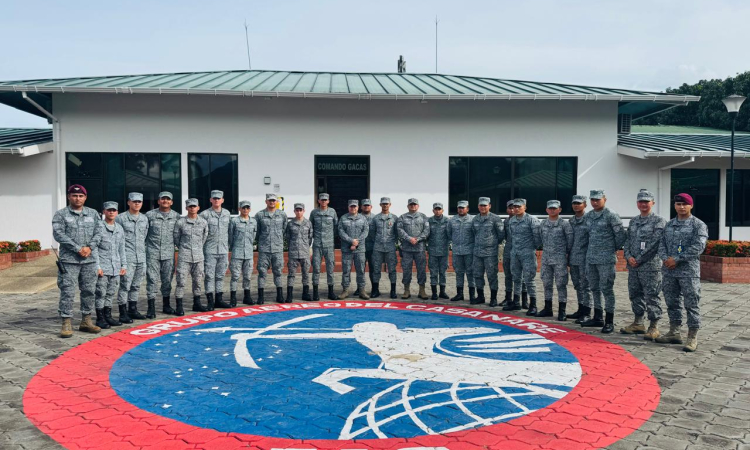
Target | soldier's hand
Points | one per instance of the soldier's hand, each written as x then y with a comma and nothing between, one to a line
413,241
122,272
632,262
353,247
100,273
85,252
355,243
670,263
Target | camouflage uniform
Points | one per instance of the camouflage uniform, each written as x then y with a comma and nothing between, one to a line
216,249
461,235
75,230
489,232
190,236
299,235
578,260
136,230
606,236
683,240
241,238
370,242
160,252
110,258
437,249
413,225
325,225
525,239
508,260
351,227
383,230
557,241
271,231
644,282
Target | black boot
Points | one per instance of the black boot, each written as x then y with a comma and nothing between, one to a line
279,295
306,293
151,311
220,303
493,297
480,297
261,300
232,299
524,300
609,323
561,316
247,299
584,315
532,311
576,314
596,321
547,311
393,291
508,298
331,295
133,311
316,294
165,307
179,311
459,295
442,292
108,317
101,322
472,294
209,302
197,307
124,317
289,294
515,300
434,292
375,292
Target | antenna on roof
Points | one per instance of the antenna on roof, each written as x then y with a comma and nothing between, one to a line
436,43
247,45
401,64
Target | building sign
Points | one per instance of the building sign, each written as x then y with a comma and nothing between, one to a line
342,165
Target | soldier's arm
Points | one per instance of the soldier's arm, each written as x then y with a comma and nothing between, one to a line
698,243
205,231
652,246
123,255
372,229
663,255
342,234
335,218
365,232
536,232
449,230
309,234
255,230
628,240
425,231
568,231
619,231
312,218
58,232
230,230
400,229
500,230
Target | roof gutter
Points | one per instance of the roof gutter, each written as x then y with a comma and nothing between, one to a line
30,150
642,153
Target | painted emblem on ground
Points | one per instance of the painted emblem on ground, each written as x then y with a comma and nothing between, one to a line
344,374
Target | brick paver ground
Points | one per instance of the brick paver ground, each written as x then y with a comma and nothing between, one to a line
705,401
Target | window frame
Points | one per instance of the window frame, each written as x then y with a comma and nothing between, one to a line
233,209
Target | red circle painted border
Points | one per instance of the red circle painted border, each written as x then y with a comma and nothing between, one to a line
72,401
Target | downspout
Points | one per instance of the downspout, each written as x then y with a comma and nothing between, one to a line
59,158
661,170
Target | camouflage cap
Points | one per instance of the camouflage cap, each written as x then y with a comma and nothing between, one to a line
579,199
191,202
166,194
413,201
271,197
109,205
484,201
323,196
463,204
519,202
553,204
353,203
244,203
509,203
366,202
217,194
385,200
299,206
135,197
437,205
596,194
645,195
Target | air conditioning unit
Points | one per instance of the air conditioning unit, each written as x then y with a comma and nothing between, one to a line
624,121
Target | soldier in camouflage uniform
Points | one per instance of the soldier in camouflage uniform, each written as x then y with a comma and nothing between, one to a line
606,236
510,209
461,235
325,224
135,225
160,253
578,259
366,212
190,235
557,241
76,228
525,239
216,250
299,235
272,225
682,244
437,249
242,231
489,233
644,268
413,230
111,264
353,231
383,231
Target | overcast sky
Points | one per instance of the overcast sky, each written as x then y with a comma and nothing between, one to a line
648,45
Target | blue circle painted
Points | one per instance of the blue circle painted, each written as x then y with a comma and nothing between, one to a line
345,374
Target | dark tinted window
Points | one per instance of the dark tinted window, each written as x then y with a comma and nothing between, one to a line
208,172
741,198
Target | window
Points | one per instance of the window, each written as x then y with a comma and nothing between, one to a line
741,198
208,172
111,176
503,178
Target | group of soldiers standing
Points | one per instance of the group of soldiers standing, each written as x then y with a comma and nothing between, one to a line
101,256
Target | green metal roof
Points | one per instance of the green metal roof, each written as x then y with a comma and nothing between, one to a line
647,145
359,86
17,138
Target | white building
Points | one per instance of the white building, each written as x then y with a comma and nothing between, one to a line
434,137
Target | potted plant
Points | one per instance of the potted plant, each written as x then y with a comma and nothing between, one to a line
6,251
726,262
26,251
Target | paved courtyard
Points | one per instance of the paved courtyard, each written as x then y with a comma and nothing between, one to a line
705,400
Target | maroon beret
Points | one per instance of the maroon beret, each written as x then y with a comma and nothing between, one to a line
77,189
684,198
